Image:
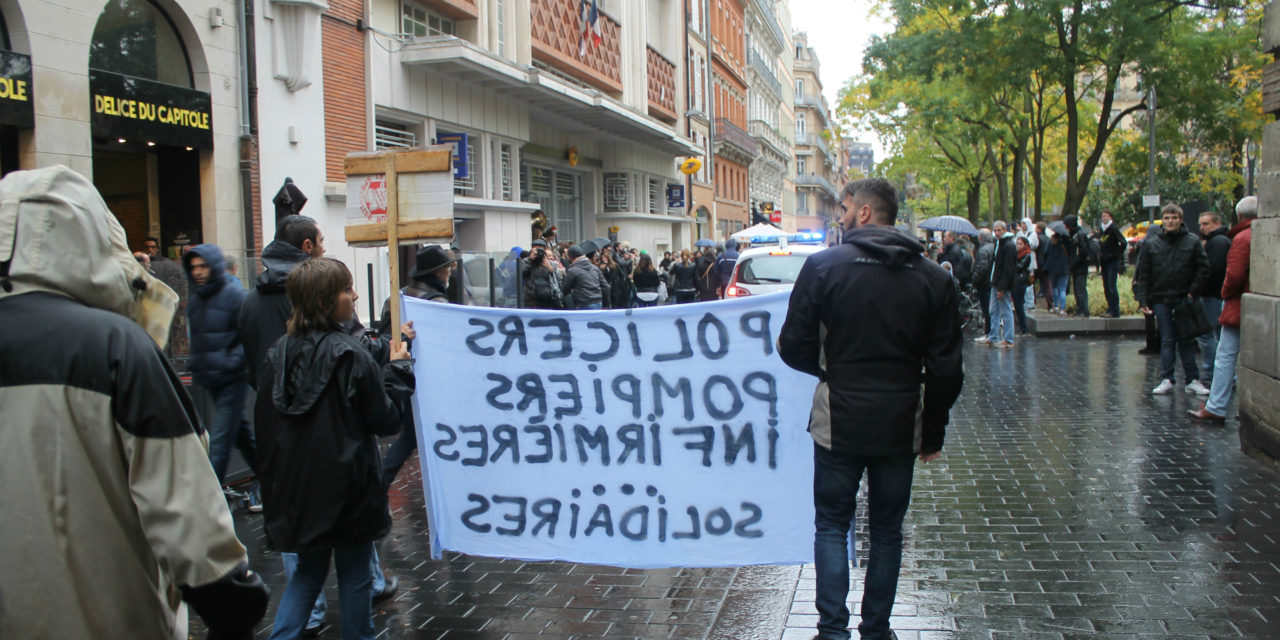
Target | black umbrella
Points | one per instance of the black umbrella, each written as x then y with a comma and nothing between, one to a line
289,199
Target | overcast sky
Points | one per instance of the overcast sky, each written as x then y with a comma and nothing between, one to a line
839,31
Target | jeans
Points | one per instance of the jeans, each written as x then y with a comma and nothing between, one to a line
1020,306
355,592
230,427
1081,283
984,299
1209,341
398,453
1058,284
1169,344
835,489
592,305
1224,371
319,607
1001,317
1110,273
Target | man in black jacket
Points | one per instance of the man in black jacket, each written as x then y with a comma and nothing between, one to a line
1003,274
961,263
1111,246
878,324
1078,258
1216,246
1171,266
984,258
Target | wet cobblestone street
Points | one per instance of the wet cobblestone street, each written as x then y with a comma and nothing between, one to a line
1068,503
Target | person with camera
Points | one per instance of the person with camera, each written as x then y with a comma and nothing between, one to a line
584,284
542,279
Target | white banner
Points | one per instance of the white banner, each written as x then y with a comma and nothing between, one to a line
658,437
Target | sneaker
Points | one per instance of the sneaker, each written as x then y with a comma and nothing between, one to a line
254,500
982,340
314,632
1008,345
1166,386
1195,387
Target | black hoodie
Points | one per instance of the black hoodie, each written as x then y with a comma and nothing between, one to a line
875,320
322,402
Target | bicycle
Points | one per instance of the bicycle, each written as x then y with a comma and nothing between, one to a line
970,308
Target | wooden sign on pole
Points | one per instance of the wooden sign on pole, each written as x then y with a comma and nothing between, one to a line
376,216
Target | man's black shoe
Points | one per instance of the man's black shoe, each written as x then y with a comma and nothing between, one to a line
314,632
1148,352
388,590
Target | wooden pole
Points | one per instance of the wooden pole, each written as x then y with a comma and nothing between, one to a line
393,246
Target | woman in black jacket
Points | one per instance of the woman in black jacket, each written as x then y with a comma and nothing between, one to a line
322,401
685,277
647,282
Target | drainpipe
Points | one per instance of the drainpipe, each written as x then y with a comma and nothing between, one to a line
248,122
711,113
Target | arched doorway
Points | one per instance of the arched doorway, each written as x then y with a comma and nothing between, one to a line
149,125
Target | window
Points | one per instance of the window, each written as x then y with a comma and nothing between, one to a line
615,192
135,38
391,135
802,127
657,199
800,166
799,87
502,27
504,171
420,23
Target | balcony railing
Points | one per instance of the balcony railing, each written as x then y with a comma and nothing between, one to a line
555,42
817,180
731,134
766,73
815,140
766,14
662,87
770,136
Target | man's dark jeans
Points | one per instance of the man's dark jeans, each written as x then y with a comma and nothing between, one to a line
1172,348
835,489
1110,273
983,290
1080,283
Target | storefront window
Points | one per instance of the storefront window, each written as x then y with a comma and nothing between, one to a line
135,38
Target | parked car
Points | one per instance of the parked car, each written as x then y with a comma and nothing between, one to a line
768,269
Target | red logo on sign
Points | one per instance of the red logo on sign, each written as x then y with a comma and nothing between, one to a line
373,198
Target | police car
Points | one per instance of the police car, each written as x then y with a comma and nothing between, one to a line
774,266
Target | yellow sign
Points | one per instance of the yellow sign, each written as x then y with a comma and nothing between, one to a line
572,156
139,110
13,89
690,166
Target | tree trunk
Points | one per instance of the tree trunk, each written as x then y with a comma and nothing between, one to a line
1019,177
972,197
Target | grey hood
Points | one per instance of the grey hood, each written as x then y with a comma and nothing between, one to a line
57,236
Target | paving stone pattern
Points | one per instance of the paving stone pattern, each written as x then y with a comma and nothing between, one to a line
1069,503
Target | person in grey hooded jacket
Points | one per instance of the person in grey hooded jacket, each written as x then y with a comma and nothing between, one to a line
114,516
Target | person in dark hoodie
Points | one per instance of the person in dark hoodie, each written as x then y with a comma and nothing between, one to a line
1077,246
323,400
725,264
1216,246
879,325
583,283
217,354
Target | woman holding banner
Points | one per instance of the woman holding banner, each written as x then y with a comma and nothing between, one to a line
685,275
322,402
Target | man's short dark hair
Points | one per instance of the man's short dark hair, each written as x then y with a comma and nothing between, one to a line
297,228
151,239
1213,215
877,192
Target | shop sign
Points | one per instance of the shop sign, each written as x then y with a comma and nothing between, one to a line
675,196
15,90
461,157
143,110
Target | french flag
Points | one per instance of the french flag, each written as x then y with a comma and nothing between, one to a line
589,20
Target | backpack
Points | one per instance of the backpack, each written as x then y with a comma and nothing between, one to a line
1095,251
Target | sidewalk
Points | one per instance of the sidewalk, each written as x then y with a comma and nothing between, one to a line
1069,503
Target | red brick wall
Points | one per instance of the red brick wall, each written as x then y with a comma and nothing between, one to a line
346,112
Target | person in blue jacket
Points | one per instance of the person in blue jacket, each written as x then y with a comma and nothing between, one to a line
217,355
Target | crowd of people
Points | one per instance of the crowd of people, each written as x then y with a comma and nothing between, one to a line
584,275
